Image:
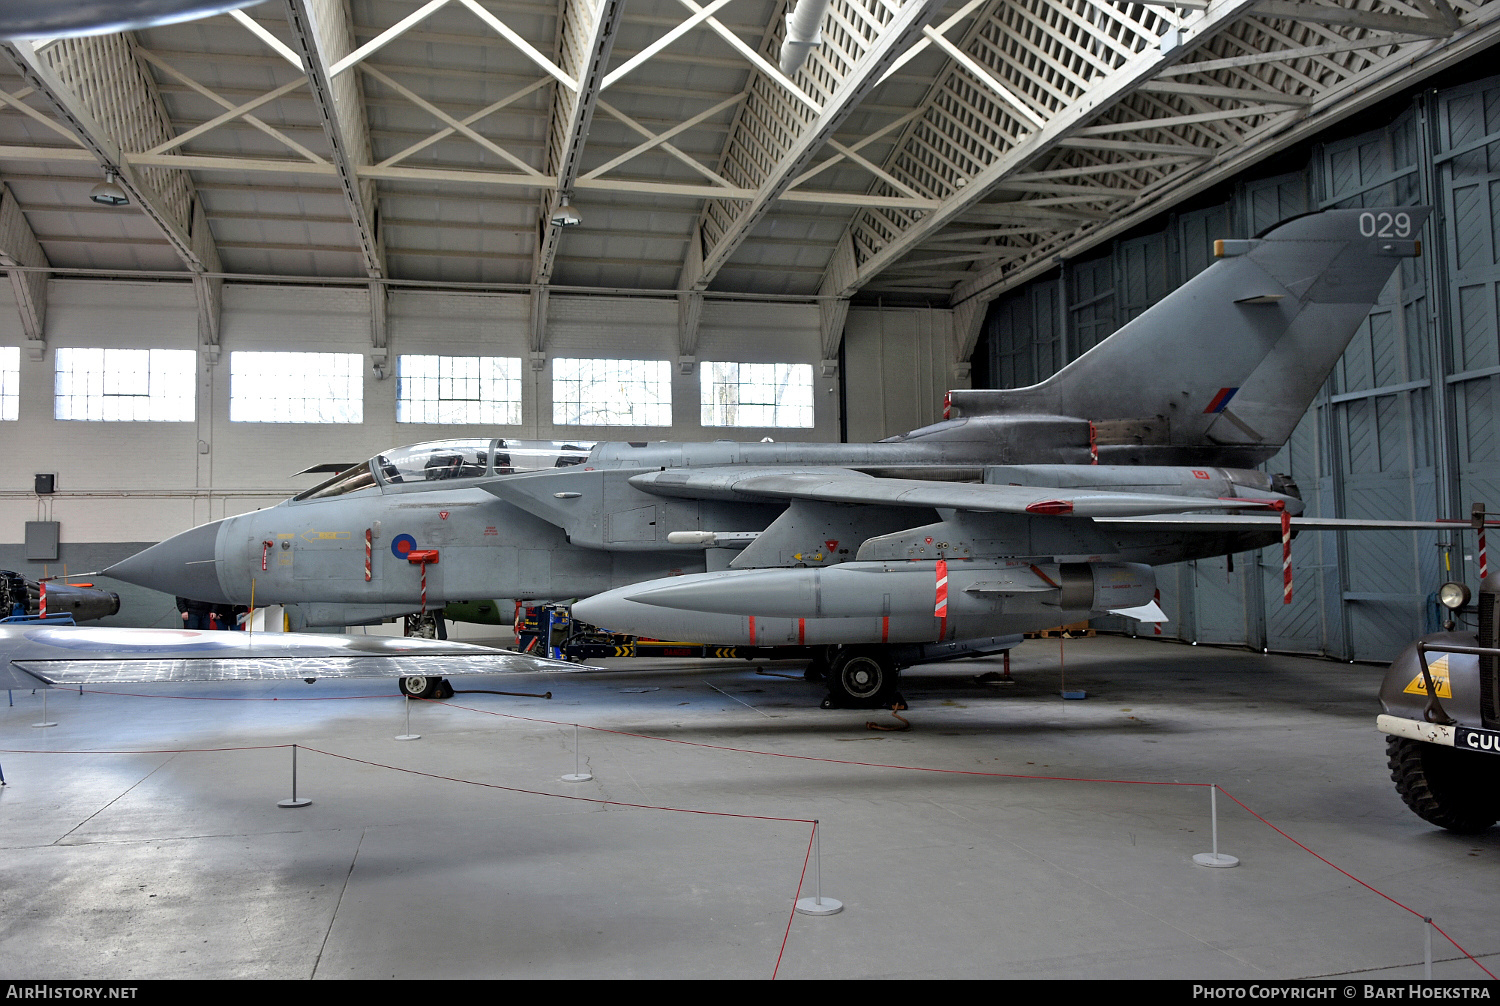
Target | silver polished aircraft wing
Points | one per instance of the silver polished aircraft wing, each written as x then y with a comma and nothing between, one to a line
842,485
33,654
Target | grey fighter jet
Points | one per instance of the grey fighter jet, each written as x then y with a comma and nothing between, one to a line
1022,509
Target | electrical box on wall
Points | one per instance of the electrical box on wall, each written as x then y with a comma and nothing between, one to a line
46,483
42,540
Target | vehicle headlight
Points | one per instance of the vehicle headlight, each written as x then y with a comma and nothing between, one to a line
1453,595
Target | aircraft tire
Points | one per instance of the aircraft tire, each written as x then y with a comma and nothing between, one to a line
861,677
1452,789
420,686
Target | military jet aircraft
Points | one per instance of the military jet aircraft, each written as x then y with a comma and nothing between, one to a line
1022,509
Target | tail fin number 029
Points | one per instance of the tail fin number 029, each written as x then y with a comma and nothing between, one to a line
1385,225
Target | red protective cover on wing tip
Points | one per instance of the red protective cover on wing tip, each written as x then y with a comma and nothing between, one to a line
1053,507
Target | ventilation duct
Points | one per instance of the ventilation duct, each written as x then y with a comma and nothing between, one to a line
802,34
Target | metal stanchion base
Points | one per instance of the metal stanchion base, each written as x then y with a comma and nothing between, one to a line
1216,859
52,723
814,906
300,801
407,737
578,777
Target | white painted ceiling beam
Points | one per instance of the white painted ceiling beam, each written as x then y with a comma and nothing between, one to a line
19,247
1316,13
322,34
1357,90
98,89
899,34
585,39
170,211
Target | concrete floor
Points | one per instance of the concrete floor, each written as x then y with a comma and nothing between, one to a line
165,865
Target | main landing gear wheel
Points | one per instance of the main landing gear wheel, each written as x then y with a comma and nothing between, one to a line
421,686
1452,789
862,678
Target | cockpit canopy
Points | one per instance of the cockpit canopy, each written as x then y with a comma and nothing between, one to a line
445,460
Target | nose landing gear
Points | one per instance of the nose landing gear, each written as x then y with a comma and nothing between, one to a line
421,686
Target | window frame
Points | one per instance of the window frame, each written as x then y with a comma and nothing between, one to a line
89,390
319,367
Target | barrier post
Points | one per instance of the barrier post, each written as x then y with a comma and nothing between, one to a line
577,775
295,801
1215,858
817,904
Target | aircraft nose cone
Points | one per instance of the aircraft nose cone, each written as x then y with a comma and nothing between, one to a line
182,565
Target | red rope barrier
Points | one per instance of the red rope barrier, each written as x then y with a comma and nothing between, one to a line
1352,877
795,898
757,817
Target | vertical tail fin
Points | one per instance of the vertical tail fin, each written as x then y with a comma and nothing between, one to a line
1233,357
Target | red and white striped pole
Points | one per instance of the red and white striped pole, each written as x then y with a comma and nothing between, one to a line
1476,516
1286,554
423,558
1156,629
368,537
41,604
940,605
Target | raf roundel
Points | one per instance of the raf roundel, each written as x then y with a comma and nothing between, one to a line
402,545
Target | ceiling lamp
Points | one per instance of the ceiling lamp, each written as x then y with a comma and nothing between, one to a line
565,215
107,193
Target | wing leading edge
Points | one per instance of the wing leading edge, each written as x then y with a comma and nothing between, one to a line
845,486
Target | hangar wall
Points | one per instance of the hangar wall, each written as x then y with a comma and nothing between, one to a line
898,364
1404,428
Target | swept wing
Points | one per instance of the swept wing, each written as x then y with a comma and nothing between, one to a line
840,485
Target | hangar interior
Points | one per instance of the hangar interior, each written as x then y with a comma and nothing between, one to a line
941,195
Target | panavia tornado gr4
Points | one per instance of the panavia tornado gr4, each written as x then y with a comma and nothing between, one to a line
1023,509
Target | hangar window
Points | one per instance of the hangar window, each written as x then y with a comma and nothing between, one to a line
611,393
296,388
126,385
10,382
458,389
756,394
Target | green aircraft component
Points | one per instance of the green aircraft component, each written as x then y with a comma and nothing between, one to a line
478,612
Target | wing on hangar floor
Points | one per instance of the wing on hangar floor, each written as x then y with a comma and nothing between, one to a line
841,485
33,654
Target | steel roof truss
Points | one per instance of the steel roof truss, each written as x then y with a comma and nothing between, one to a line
106,66
655,139
271,131
19,247
468,120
